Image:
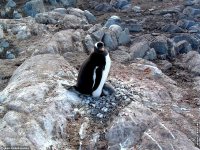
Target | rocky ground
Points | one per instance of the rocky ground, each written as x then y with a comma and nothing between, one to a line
154,47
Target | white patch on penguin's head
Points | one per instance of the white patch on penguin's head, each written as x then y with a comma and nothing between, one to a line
99,46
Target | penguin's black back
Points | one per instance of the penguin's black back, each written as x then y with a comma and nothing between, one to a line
85,77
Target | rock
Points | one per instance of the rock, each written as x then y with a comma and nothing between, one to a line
10,4
183,47
72,21
160,45
119,4
190,11
164,65
113,20
90,17
69,3
4,43
62,42
133,26
150,54
138,50
171,28
110,40
116,29
53,17
186,24
105,7
120,55
124,37
31,85
60,10
98,35
9,55
52,2
1,33
16,15
23,33
137,9
191,39
33,7
89,43
192,62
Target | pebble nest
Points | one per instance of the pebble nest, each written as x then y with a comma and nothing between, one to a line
103,108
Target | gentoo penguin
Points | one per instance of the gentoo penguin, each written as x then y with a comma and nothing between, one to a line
94,71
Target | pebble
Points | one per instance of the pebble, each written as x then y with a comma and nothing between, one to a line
101,109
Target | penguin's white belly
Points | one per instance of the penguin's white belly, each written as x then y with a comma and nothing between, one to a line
105,73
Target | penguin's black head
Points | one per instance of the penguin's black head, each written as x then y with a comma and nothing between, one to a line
99,46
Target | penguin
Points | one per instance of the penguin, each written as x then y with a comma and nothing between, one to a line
94,71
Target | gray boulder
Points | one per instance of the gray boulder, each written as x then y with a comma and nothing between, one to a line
33,7
110,40
90,17
138,50
192,62
191,39
10,4
172,28
160,45
183,47
124,37
29,115
113,20
150,54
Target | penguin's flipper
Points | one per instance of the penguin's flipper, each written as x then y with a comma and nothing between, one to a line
99,73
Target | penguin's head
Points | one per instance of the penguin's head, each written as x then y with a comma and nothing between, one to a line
99,46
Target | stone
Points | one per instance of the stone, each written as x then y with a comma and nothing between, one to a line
192,62
68,3
1,33
33,7
23,33
113,20
4,43
52,2
133,26
17,15
124,37
72,21
186,24
119,4
116,29
90,17
164,65
191,39
98,35
105,7
171,28
136,9
30,97
138,50
150,54
53,17
9,55
121,54
190,11
89,43
11,4
160,45
110,40
183,47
